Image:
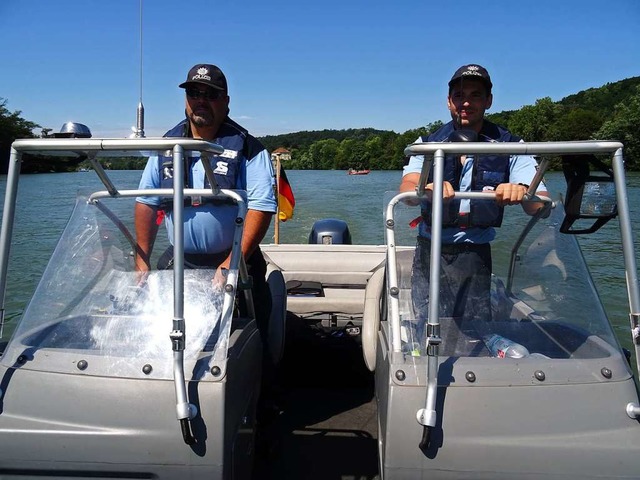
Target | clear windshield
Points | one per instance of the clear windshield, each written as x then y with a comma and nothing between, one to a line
89,314
545,300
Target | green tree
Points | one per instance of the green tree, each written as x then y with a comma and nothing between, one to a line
578,124
623,127
301,159
576,117
536,123
407,138
376,153
323,153
501,118
12,127
386,159
351,154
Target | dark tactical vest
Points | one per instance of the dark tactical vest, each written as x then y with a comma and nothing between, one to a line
226,167
489,171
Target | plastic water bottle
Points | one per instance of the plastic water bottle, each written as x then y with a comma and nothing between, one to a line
502,347
412,349
409,338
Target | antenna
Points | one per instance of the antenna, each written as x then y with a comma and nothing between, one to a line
458,114
138,130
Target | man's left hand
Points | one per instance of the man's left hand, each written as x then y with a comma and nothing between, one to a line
220,277
510,193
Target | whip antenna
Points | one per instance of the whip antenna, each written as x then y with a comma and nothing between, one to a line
138,130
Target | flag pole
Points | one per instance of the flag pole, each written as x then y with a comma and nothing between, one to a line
276,227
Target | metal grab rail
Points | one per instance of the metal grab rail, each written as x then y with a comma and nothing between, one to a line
427,416
434,155
86,145
612,148
168,192
515,148
393,283
91,147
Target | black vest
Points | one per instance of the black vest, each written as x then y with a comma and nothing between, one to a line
489,171
226,167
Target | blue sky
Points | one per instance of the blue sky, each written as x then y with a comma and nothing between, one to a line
295,66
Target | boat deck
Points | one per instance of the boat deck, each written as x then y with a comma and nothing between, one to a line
320,422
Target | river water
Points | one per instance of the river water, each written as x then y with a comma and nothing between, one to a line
45,202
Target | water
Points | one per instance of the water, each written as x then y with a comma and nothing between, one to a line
45,202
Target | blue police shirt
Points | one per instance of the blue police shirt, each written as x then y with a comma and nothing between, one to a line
209,228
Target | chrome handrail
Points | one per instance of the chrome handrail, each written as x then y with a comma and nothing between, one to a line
172,146
434,154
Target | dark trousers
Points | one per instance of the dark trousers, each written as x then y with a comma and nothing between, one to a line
465,282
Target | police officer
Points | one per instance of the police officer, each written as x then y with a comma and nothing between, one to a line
208,227
468,226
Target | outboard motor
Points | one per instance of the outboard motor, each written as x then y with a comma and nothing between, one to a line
73,130
329,231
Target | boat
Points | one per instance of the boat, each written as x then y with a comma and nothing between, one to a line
353,171
93,387
113,375
453,406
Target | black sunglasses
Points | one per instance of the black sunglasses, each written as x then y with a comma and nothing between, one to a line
210,95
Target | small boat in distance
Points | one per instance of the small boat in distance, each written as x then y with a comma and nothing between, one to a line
353,171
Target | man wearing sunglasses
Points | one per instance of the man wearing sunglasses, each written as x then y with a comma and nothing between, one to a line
209,225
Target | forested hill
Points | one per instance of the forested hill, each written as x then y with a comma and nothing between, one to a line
603,99
306,138
609,112
599,102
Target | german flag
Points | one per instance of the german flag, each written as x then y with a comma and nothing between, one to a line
286,200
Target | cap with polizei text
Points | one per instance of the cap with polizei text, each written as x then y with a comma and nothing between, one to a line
204,74
472,71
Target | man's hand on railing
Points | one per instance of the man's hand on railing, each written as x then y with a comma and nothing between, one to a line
510,193
219,279
410,183
448,193
141,269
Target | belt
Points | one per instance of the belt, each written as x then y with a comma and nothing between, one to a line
453,248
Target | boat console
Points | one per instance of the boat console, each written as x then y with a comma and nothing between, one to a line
110,373
557,398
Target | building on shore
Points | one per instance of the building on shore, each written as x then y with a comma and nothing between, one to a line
281,154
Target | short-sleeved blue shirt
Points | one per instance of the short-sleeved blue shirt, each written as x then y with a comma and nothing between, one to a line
209,228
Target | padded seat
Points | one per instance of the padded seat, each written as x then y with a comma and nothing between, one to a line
338,275
277,319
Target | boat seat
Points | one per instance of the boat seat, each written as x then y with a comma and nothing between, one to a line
331,298
277,319
375,305
330,284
